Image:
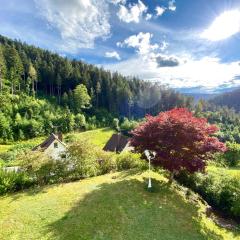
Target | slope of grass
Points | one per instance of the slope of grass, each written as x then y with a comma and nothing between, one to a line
232,171
4,148
114,206
98,137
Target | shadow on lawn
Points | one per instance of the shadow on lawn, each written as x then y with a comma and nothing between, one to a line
125,210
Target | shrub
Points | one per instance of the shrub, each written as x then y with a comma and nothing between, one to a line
12,181
128,160
80,121
70,138
13,153
115,124
128,125
232,156
220,191
44,169
82,159
107,162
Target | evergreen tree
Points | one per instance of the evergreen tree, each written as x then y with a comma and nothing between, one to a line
2,69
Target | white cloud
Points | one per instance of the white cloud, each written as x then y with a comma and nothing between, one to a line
116,2
132,13
79,22
159,10
225,25
172,5
148,16
113,54
141,42
206,72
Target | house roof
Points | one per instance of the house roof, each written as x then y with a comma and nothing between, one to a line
116,143
46,143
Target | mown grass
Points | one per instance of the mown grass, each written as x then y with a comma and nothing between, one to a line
230,171
98,137
114,206
4,148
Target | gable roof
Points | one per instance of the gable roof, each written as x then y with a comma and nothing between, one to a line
116,143
46,143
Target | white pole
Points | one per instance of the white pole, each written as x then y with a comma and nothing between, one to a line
149,179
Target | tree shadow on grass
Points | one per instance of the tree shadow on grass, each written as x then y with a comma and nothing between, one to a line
125,210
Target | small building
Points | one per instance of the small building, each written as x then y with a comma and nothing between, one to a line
117,143
53,146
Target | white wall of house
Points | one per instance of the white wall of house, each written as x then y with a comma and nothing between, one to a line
55,150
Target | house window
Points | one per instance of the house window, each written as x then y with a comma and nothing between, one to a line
55,145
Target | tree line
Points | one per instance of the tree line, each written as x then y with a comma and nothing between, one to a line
38,88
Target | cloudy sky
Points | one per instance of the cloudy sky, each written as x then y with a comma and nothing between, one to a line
188,45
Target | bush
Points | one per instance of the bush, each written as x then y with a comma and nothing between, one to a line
82,159
13,153
12,181
115,124
128,160
44,169
128,125
232,156
107,162
220,191
70,138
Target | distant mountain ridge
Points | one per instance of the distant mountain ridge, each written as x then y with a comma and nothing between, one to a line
229,99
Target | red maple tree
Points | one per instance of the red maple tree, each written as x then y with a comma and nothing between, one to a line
180,140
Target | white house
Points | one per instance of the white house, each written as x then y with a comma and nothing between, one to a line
53,147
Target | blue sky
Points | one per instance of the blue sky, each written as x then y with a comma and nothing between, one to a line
186,44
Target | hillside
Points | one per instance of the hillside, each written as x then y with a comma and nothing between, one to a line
40,89
229,99
113,206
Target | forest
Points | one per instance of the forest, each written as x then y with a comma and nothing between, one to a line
41,91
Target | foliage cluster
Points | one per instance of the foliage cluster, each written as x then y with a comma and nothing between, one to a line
13,181
83,160
221,191
179,140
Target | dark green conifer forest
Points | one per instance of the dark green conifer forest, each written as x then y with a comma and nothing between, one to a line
40,90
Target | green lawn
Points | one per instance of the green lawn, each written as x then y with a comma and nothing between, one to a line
233,171
98,137
106,207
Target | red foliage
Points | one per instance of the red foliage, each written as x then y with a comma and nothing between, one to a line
180,140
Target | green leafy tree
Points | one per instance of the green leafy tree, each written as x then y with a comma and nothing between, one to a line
80,121
232,155
81,97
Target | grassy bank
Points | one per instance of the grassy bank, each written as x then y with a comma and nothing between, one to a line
114,206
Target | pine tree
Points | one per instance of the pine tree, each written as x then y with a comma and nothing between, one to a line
33,77
2,69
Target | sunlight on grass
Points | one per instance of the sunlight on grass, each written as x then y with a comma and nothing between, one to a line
114,206
233,171
98,137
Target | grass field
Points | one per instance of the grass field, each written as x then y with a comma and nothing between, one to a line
98,137
106,207
233,171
